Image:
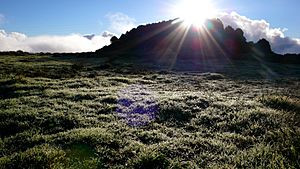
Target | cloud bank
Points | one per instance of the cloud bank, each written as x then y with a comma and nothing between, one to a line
258,29
13,41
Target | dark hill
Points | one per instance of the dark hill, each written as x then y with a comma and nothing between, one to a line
171,43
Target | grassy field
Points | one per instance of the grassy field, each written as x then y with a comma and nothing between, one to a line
80,113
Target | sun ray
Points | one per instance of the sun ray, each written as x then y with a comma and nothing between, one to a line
177,35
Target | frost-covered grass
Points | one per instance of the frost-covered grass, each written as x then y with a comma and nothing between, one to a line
64,114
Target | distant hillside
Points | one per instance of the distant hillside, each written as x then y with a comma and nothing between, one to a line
171,42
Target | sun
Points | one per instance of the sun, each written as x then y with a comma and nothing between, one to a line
194,12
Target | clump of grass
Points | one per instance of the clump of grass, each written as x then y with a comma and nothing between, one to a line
196,104
90,136
151,160
286,143
281,103
174,112
249,123
150,137
21,142
43,156
260,156
57,123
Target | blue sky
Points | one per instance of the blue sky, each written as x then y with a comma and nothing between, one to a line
36,17
59,25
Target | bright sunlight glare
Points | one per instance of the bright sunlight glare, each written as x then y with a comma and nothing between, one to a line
194,12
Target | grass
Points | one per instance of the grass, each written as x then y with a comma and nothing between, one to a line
63,113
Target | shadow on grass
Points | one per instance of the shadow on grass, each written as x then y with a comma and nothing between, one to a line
7,89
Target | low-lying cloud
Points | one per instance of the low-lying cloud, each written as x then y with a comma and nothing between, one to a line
258,29
13,41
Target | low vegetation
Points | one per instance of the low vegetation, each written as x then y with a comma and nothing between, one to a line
66,113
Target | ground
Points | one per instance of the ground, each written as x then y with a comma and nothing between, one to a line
81,113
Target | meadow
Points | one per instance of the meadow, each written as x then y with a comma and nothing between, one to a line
64,112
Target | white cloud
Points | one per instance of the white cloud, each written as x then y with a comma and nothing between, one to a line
257,29
70,43
120,23
12,41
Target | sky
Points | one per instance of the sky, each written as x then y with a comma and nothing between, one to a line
46,25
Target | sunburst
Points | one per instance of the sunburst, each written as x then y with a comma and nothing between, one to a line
194,12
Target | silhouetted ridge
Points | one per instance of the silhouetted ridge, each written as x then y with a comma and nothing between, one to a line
173,35
170,42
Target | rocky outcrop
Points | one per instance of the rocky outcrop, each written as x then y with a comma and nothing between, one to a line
173,43
172,38
263,46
